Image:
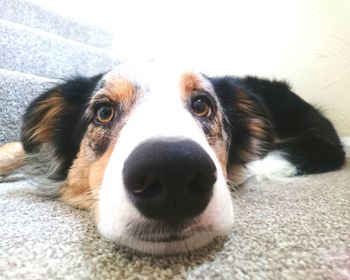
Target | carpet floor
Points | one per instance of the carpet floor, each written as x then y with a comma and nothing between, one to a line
295,228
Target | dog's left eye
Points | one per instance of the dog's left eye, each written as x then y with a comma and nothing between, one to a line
201,106
104,114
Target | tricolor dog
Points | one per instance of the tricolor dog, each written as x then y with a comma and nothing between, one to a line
151,152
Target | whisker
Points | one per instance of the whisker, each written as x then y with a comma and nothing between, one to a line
235,189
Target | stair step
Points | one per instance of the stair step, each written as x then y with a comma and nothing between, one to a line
32,15
16,92
36,52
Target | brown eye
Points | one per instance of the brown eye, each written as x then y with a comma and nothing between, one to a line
104,114
201,106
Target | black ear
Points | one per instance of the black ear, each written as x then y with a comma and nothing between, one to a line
245,120
54,120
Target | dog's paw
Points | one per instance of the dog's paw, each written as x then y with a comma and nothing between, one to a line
11,158
273,166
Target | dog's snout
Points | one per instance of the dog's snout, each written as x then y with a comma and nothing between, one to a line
169,179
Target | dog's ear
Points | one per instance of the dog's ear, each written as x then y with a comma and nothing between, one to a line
54,120
245,120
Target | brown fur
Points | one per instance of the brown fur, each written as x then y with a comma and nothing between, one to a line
189,83
259,128
44,128
120,90
220,148
85,176
217,142
11,157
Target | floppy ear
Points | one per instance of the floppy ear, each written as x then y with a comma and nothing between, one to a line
53,124
245,121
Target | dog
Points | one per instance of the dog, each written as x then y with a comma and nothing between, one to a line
152,152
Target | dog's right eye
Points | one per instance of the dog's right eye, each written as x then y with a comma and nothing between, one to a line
104,114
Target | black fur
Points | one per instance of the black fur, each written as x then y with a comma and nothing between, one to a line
69,126
304,136
231,91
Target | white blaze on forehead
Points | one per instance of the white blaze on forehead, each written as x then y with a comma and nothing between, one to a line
160,108
156,74
146,72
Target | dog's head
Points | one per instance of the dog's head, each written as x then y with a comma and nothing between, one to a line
150,152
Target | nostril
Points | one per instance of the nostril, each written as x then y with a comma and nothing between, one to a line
148,186
201,184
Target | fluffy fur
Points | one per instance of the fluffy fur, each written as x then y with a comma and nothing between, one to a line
250,119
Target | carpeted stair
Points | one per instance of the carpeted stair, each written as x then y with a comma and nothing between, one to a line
37,49
31,15
16,91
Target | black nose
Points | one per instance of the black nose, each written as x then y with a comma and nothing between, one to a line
169,179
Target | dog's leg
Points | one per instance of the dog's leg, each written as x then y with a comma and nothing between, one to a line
273,166
11,158
309,153
306,142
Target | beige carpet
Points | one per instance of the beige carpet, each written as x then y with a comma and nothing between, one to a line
288,229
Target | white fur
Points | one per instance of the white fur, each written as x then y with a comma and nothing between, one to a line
273,166
346,145
160,112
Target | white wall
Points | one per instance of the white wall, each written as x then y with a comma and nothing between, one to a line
306,42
